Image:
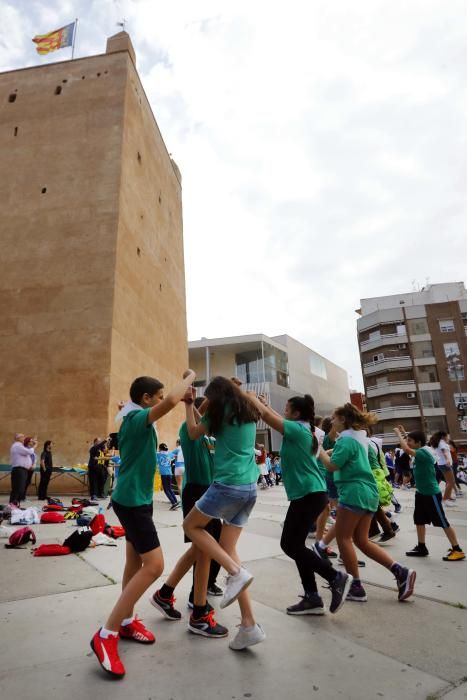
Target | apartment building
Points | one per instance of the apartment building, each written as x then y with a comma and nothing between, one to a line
279,367
413,351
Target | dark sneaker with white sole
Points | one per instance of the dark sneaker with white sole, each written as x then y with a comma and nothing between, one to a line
166,607
339,589
309,605
419,550
215,590
357,593
206,626
386,536
405,582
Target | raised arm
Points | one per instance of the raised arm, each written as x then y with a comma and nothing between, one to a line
195,429
172,399
273,419
400,433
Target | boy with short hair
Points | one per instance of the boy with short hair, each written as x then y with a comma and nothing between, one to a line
428,501
132,502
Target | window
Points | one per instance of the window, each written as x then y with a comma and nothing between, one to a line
275,365
435,423
375,335
422,348
431,399
451,349
318,366
447,326
381,381
401,329
250,366
379,357
428,374
417,326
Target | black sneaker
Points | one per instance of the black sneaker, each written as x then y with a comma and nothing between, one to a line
339,589
309,605
395,527
207,626
166,607
397,508
405,583
190,603
386,536
419,550
214,589
357,593
175,506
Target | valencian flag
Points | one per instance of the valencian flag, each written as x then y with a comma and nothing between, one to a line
58,39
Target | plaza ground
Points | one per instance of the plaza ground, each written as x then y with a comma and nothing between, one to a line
50,607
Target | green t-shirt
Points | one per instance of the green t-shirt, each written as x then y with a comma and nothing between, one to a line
137,443
300,471
199,458
425,473
354,479
234,457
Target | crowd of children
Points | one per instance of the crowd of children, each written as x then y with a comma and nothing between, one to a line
217,468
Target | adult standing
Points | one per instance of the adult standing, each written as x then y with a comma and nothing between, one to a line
93,467
21,461
46,464
30,442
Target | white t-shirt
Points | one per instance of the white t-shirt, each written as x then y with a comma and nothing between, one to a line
441,455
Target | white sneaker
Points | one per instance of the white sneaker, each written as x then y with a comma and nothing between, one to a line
247,637
450,502
234,585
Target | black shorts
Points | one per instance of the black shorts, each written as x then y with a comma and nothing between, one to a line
139,526
429,511
403,471
190,494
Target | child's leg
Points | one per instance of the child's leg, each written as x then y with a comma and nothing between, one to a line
330,535
167,486
201,577
450,484
384,521
229,538
133,564
451,535
346,522
194,526
421,533
179,480
321,523
182,567
372,550
152,567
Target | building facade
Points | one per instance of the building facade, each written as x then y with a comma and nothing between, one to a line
413,350
279,367
92,287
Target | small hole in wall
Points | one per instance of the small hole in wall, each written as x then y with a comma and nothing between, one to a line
138,251
43,190
160,198
141,216
165,259
16,131
83,77
65,80
105,72
12,97
98,75
139,157
160,287
58,89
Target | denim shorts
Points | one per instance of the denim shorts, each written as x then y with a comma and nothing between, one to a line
332,488
356,510
232,504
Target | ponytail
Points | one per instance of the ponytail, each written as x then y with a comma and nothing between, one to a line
353,418
305,406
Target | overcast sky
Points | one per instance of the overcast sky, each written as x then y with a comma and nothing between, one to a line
322,147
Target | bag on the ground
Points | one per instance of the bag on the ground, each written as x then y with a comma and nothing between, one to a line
29,516
97,524
114,531
51,550
78,541
70,515
84,520
53,508
47,518
20,537
83,502
54,502
90,510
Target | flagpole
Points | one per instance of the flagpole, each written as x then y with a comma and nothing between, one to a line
74,39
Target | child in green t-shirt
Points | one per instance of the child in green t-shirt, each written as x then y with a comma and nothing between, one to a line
307,492
358,500
132,501
428,501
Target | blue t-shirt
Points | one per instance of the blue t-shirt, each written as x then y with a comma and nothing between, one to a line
164,463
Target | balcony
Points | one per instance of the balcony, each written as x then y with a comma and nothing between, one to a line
401,362
398,412
383,339
390,388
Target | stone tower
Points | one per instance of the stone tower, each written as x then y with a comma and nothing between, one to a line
92,288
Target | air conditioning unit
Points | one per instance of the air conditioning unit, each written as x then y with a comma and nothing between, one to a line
411,395
379,357
402,346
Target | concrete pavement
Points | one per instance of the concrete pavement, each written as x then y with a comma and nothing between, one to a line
49,609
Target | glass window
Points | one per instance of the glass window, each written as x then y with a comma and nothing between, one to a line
435,423
451,349
318,366
375,335
422,348
417,326
250,366
427,374
275,365
401,329
431,399
446,326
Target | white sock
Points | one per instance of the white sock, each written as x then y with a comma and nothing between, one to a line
105,633
127,621
322,544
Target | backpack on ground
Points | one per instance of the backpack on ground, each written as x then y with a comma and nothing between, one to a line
53,508
20,537
51,550
54,502
70,515
97,524
84,520
78,541
114,531
47,518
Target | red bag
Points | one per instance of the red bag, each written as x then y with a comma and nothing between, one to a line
20,537
97,524
51,550
53,507
52,518
75,509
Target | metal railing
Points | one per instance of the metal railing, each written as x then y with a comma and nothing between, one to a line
385,385
374,363
383,337
397,409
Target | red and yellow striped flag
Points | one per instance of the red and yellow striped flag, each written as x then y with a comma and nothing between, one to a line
58,39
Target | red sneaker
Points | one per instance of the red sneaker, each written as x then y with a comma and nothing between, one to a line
106,651
137,631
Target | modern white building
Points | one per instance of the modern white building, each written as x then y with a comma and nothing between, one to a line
279,367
